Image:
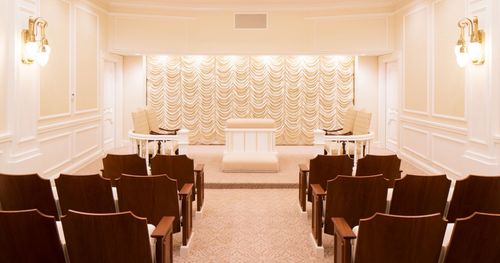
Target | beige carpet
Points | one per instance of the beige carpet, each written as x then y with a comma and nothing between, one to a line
252,224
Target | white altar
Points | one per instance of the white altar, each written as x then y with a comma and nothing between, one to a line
250,146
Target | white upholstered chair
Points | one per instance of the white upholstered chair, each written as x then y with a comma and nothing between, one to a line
356,122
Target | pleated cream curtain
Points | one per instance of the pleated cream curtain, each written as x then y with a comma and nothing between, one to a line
300,93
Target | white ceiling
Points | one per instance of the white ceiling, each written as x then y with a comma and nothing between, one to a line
257,3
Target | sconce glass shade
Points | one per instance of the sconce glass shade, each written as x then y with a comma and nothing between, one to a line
475,51
30,51
43,55
462,55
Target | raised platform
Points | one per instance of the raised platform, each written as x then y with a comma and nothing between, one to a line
245,162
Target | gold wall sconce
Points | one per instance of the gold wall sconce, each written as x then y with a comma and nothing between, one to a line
472,50
35,44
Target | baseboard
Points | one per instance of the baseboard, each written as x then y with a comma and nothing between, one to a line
184,251
319,251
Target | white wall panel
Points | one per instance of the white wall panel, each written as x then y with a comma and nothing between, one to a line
56,152
415,141
86,140
445,151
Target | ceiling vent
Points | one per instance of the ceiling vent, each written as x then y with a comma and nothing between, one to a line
250,21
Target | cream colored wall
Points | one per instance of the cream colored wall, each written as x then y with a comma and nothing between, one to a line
367,90
212,32
86,60
4,42
50,130
445,121
415,66
449,81
55,76
134,89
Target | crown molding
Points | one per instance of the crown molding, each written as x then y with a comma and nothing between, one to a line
359,5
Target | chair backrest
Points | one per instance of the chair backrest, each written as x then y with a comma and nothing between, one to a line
117,164
27,191
362,123
140,120
475,194
178,167
349,118
152,197
420,195
85,193
154,124
29,236
327,167
106,238
390,238
388,165
354,198
475,239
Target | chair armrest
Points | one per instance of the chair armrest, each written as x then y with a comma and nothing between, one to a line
199,167
303,174
164,242
334,133
318,195
164,227
199,174
334,130
343,250
186,189
187,216
343,229
169,130
317,190
303,168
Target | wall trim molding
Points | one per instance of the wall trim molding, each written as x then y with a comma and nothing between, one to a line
163,17
425,155
24,156
433,155
481,158
76,165
342,17
419,163
435,125
88,149
67,124
255,7
55,116
5,137
417,9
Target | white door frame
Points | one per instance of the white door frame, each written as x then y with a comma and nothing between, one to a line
118,105
382,83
